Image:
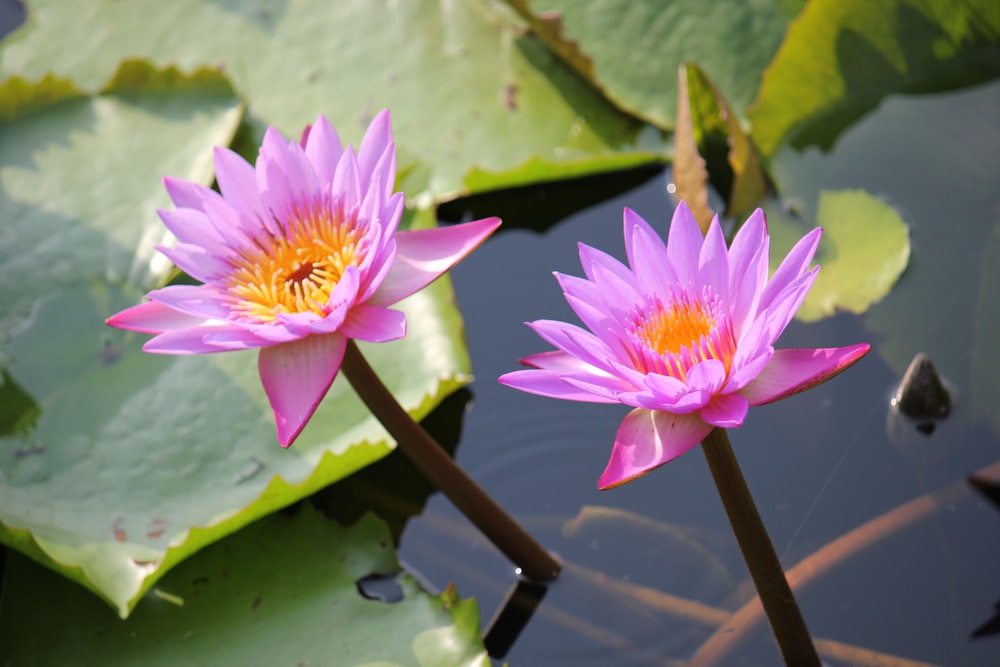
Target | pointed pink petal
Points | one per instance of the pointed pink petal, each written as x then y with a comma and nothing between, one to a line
376,143
237,182
234,338
185,194
796,263
152,317
424,254
192,340
576,341
549,383
193,226
748,268
201,301
323,148
785,304
725,410
795,370
713,262
347,181
591,259
647,254
557,360
375,324
296,377
647,439
196,261
684,241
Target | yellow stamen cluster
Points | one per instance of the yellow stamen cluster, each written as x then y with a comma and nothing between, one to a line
670,339
682,324
296,272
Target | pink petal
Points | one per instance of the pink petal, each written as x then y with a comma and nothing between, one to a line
684,241
591,259
347,181
375,324
237,182
196,261
234,338
193,340
647,439
201,301
647,254
576,341
193,226
152,317
296,377
424,254
795,370
557,360
725,410
185,194
796,263
748,268
376,143
551,384
323,149
785,304
713,262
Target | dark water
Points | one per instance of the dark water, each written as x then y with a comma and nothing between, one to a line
819,464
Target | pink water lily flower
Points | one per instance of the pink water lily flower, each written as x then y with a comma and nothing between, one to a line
297,255
685,334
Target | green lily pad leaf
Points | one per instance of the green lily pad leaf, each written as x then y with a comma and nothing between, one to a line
841,58
864,249
467,83
115,465
711,147
283,591
630,49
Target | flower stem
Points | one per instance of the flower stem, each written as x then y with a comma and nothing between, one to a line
534,561
768,576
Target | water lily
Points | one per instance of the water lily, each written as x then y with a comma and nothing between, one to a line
684,334
297,254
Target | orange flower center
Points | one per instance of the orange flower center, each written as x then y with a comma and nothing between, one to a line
670,339
683,323
296,272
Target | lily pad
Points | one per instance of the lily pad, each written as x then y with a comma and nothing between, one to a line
631,49
842,57
283,591
467,84
115,464
864,249
711,147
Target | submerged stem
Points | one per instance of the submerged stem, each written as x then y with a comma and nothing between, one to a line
535,562
768,576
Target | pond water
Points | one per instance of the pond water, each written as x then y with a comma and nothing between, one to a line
819,464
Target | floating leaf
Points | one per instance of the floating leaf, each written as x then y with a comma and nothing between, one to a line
689,172
115,464
864,249
711,146
842,57
283,591
466,82
631,48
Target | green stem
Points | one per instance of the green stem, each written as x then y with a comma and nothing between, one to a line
535,562
768,576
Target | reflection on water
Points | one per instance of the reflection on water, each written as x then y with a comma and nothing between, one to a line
918,584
